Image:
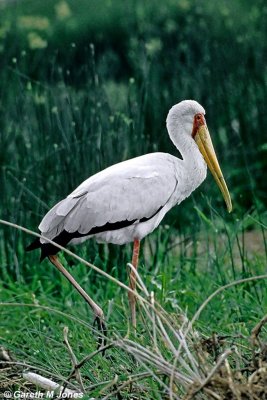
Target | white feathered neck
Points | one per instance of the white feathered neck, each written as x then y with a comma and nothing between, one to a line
179,125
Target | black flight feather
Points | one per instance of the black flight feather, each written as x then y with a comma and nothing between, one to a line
48,249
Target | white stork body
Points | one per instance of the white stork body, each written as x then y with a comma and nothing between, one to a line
137,193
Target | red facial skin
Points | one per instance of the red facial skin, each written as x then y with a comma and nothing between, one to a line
199,120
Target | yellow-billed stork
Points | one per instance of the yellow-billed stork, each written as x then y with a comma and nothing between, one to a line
127,201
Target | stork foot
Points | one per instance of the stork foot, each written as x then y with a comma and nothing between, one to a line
102,329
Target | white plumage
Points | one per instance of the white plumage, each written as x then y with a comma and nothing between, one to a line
145,187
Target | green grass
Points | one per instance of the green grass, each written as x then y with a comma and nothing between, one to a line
182,278
95,92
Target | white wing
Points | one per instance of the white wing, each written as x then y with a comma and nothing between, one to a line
130,190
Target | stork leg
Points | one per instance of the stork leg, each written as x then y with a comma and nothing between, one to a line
98,312
132,283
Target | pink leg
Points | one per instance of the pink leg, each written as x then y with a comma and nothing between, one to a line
132,283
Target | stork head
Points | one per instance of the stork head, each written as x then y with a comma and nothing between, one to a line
182,114
188,117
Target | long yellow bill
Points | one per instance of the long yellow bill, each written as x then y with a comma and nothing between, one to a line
203,140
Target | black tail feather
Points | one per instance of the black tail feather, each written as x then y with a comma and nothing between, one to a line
43,254
47,249
34,245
